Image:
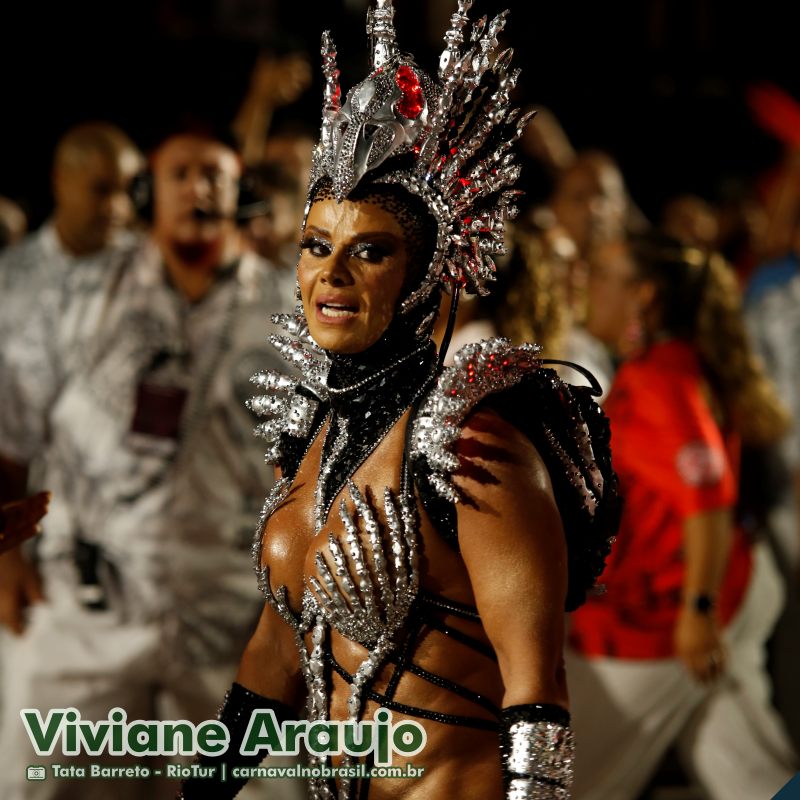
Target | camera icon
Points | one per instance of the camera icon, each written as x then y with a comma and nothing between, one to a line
37,773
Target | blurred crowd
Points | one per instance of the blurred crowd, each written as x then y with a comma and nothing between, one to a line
133,318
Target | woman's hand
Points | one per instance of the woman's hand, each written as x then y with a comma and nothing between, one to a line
699,645
280,81
706,541
20,586
19,520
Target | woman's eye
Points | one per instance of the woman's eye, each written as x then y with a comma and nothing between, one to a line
316,247
371,253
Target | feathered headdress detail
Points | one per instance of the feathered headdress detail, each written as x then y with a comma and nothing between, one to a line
447,141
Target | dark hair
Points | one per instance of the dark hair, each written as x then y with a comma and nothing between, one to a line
191,125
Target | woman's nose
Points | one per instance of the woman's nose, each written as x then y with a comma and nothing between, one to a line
336,272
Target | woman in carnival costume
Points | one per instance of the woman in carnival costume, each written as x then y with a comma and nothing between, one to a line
674,653
430,525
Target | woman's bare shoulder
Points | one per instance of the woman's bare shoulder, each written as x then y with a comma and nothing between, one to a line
495,455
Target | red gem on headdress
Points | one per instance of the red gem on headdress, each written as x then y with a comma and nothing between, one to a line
412,101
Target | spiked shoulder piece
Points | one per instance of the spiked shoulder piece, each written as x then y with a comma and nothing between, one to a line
447,141
564,423
290,404
480,369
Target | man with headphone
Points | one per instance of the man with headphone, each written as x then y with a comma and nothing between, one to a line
129,389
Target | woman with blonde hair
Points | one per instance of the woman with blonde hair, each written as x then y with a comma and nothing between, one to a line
673,652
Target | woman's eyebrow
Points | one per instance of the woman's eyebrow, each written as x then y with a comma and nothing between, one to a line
380,236
366,236
318,231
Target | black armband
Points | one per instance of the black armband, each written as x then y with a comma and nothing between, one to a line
537,750
238,707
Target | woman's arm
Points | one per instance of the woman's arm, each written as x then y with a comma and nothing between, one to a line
270,665
274,82
269,678
513,545
707,540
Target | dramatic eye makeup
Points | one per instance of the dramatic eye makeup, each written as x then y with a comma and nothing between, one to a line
371,252
316,245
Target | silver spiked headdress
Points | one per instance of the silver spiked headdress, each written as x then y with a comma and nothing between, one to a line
447,141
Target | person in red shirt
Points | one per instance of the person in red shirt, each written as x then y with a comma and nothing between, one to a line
687,469
672,652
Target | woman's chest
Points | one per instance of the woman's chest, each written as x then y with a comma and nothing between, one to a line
296,549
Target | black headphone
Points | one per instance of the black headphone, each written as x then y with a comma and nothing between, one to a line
249,203
140,191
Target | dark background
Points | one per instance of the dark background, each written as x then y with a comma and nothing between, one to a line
658,83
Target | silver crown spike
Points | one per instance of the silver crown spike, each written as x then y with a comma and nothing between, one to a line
333,92
454,38
496,26
477,28
380,27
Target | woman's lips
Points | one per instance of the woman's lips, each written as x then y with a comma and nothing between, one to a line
335,311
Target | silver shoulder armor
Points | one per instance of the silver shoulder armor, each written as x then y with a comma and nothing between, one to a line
480,369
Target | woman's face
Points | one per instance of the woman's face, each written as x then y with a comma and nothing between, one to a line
352,268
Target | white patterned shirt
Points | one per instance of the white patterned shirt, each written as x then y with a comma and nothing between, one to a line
173,514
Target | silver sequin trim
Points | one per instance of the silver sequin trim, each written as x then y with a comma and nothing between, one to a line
377,590
286,411
541,760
